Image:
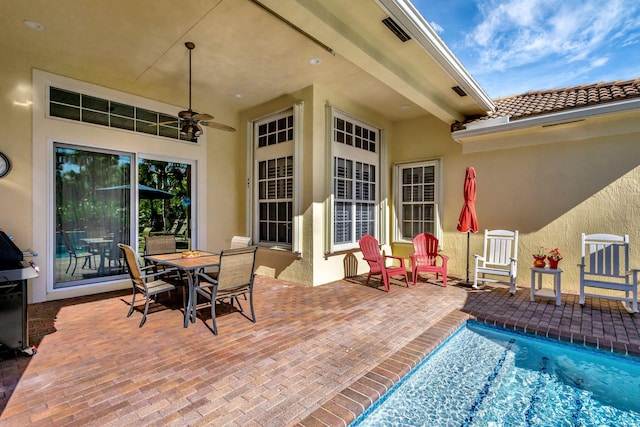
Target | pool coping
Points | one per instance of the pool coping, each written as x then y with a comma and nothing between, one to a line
343,408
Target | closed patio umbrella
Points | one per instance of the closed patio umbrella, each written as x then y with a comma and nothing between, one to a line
468,222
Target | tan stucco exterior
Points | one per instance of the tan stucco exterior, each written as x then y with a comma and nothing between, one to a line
550,183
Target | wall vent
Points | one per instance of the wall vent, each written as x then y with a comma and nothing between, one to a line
459,91
395,29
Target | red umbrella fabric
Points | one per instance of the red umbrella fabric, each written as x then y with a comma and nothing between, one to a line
468,220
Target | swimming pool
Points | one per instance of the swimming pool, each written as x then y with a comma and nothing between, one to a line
483,376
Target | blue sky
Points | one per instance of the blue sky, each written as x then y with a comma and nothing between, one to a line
513,46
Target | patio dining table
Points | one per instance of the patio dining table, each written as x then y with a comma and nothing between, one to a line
100,246
190,266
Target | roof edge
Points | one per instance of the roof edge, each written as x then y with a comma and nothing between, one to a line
428,39
562,117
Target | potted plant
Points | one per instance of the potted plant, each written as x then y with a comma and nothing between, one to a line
539,256
554,256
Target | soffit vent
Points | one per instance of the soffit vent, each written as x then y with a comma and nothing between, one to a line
395,29
459,91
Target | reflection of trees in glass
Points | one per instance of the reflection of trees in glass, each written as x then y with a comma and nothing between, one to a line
79,203
168,176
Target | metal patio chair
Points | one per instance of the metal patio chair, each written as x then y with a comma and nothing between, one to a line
145,283
75,254
234,278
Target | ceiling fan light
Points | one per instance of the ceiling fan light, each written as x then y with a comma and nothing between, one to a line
197,130
185,130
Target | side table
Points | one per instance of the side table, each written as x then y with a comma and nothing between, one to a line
536,285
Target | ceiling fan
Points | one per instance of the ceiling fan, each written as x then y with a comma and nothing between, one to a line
190,120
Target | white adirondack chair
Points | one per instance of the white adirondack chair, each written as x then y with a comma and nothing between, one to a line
500,258
605,265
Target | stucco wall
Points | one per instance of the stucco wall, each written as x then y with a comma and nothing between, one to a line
551,193
24,214
311,266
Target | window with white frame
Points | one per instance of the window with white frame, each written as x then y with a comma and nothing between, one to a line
355,174
417,199
274,178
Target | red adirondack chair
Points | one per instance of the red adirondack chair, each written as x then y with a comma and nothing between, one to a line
426,256
377,262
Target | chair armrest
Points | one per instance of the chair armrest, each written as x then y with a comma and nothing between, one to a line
476,256
397,258
207,279
159,273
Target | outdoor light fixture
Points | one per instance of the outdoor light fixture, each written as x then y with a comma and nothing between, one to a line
191,128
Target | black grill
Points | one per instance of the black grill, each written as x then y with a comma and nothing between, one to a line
14,273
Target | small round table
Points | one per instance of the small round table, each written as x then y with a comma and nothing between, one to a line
536,285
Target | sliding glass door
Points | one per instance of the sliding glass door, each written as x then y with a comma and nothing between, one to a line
92,214
164,206
95,210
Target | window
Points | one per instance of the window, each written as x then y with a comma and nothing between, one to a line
355,174
418,199
75,106
274,178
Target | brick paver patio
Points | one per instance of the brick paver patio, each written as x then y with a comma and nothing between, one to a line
317,356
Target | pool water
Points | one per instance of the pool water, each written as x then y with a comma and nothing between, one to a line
483,376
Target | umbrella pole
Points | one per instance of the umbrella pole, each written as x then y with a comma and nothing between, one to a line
468,232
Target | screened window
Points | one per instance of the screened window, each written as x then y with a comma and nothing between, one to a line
274,178
418,199
355,181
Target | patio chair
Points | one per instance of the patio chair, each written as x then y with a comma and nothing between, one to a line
237,242
426,258
75,253
156,245
605,265
240,242
234,278
144,283
499,258
378,262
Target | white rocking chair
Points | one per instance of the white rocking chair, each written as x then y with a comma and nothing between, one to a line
605,265
500,258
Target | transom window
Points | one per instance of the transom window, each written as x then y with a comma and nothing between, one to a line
80,107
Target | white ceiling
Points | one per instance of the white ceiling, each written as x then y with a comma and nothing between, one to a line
138,47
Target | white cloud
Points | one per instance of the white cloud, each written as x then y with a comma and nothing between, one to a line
514,33
437,28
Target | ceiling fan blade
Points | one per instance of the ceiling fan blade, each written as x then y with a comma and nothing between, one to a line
219,126
201,116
